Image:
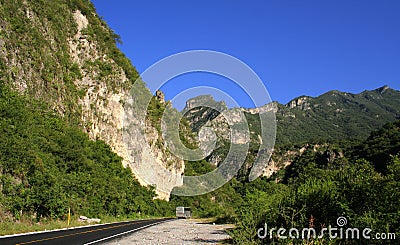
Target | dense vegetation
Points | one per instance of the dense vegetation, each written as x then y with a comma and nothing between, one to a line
48,166
321,186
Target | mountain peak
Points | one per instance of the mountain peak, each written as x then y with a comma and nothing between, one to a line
383,89
206,100
299,101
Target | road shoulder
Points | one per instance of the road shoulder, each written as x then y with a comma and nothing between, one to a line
179,231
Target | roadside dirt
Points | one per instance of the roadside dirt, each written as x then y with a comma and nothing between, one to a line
177,232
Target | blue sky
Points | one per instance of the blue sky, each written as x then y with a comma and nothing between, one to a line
305,47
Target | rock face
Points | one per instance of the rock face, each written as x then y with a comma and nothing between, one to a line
301,102
227,127
72,63
149,157
202,109
103,112
160,96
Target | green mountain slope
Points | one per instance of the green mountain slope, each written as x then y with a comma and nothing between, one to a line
332,116
336,115
303,123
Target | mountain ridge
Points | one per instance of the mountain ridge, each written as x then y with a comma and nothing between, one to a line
330,117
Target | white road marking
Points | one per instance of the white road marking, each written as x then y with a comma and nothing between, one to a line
123,233
63,229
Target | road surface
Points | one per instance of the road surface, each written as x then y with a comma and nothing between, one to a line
85,235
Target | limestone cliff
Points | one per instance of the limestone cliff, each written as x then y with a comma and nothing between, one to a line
62,53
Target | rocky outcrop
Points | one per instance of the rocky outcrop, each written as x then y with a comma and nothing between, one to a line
300,102
229,126
103,116
202,109
160,96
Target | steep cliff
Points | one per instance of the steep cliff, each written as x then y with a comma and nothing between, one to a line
63,53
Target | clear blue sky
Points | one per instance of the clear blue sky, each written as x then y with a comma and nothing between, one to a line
296,47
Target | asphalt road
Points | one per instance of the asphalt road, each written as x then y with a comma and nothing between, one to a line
84,235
